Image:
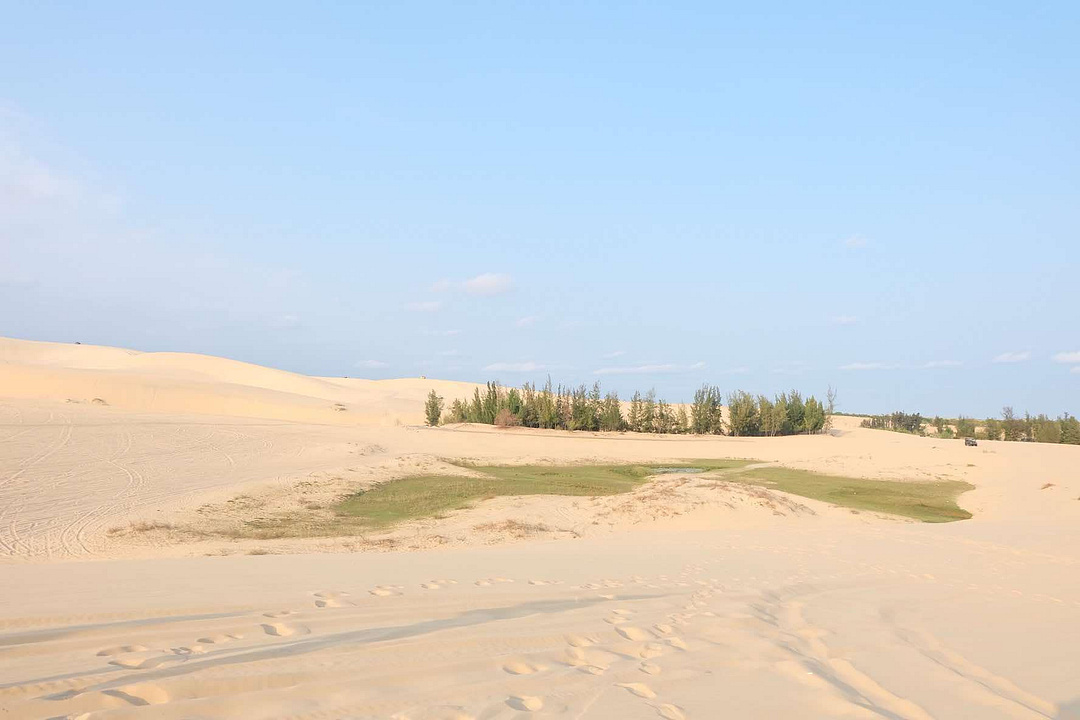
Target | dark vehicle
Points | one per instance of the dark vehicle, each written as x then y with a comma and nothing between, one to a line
970,442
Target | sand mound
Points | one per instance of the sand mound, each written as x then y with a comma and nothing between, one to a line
169,382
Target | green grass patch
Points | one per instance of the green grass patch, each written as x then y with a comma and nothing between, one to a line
925,501
427,495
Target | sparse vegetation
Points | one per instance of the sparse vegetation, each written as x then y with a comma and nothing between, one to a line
434,496
1012,428
925,501
427,495
585,408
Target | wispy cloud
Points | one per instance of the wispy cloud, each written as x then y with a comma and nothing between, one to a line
615,354
1013,357
855,241
868,366
526,321
1067,357
371,364
286,321
845,320
649,369
514,367
791,367
487,284
424,306
942,364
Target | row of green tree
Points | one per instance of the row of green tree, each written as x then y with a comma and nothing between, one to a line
898,421
1029,428
583,408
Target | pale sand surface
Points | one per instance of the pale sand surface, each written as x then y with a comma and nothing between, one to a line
684,599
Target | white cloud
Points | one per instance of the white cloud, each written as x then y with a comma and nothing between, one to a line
1013,357
424,306
942,364
649,369
868,366
487,284
526,321
372,364
791,367
615,354
514,367
1067,357
845,320
855,241
286,321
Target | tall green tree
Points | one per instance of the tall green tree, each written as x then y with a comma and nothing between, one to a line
433,408
706,417
743,417
611,419
633,416
813,416
1070,430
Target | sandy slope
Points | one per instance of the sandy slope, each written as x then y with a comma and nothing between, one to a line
678,602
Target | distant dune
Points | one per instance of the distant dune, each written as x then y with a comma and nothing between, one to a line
168,382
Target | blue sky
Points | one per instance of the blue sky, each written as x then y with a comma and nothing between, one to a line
884,198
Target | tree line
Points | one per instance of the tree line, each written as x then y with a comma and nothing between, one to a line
1011,427
584,408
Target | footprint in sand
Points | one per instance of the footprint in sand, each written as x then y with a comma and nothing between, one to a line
279,614
140,694
441,713
592,669
528,703
522,667
386,590
215,639
662,629
283,629
639,689
121,649
651,650
670,712
632,633
188,650
437,584
579,641
676,642
615,620
331,598
649,668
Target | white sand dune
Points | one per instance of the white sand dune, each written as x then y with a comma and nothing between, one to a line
683,602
